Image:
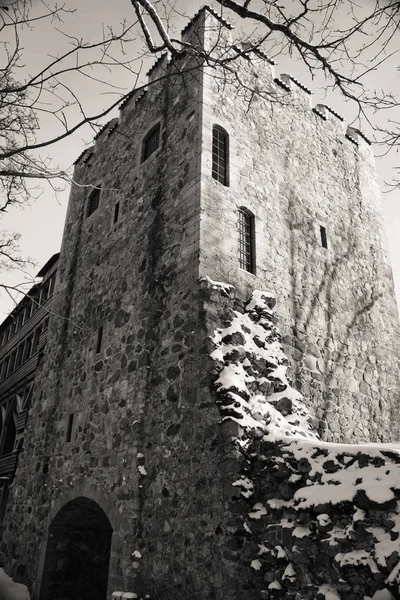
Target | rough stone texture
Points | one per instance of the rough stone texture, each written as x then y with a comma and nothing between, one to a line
310,519
295,172
146,443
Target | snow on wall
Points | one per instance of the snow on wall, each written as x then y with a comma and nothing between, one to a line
318,520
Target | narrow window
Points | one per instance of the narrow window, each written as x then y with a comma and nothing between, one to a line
36,339
246,241
52,281
151,142
99,339
35,301
116,212
18,359
44,294
27,348
11,363
3,498
220,145
93,201
70,427
324,241
5,368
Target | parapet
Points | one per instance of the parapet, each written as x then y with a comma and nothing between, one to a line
194,20
164,66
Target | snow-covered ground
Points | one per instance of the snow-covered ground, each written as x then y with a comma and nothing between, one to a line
9,590
335,505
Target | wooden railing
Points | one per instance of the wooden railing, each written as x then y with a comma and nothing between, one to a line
8,463
22,372
26,328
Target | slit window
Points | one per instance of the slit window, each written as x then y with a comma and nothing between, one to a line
93,201
151,142
324,239
70,427
246,241
99,339
116,213
220,146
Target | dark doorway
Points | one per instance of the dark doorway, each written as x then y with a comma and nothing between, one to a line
77,553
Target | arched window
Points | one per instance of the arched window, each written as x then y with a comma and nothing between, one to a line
220,155
93,201
151,142
246,241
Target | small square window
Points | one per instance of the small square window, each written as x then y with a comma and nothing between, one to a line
324,239
116,212
70,427
99,339
93,201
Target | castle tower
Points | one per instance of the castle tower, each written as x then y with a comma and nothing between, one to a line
197,181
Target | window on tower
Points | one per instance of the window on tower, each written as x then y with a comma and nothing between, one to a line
220,149
324,239
246,241
93,201
151,142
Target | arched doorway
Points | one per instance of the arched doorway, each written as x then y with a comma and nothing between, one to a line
77,553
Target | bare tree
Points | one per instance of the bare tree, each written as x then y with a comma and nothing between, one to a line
50,93
346,40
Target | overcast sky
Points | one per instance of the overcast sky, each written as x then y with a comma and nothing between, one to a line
41,224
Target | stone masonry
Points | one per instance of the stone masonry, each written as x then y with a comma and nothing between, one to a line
128,350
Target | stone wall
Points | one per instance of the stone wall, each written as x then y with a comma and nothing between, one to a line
308,519
296,169
145,437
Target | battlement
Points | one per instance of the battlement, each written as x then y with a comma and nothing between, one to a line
206,9
285,87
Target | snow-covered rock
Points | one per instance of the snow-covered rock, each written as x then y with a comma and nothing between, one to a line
333,510
9,590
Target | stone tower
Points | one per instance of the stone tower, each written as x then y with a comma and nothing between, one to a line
124,447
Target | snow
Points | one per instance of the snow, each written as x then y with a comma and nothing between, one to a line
261,346
329,592
383,595
9,590
357,557
254,390
246,484
301,532
142,470
217,285
258,511
275,585
289,573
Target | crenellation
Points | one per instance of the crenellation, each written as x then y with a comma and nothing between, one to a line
320,110
263,55
356,133
333,112
288,78
352,135
283,84
85,155
159,68
108,128
205,9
